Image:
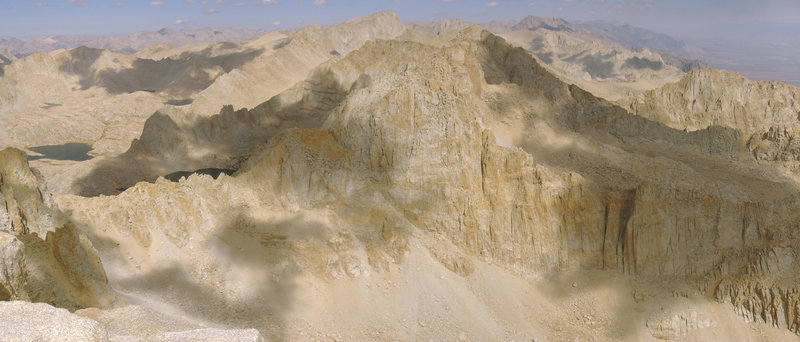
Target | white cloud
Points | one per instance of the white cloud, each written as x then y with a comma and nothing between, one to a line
492,4
531,4
157,3
79,3
210,11
397,0
319,2
181,22
266,2
189,2
276,23
240,4
219,2
120,5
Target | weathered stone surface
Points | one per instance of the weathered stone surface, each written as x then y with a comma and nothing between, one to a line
12,268
136,323
23,321
43,257
675,326
410,174
710,97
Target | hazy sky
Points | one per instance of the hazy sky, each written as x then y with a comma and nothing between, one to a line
682,18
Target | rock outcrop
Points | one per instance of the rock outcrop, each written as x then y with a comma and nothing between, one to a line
604,67
103,98
45,259
23,321
766,113
435,175
708,97
468,150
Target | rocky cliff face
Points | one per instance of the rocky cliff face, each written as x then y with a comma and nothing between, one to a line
765,112
709,97
44,258
467,153
103,98
605,67
266,76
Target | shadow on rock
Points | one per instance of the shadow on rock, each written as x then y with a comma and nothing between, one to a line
179,76
247,277
172,141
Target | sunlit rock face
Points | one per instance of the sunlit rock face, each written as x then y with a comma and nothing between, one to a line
437,187
45,259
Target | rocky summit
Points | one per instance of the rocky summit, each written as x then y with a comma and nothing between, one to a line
425,182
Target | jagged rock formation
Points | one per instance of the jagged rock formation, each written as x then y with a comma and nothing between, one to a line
307,48
44,258
766,113
709,97
435,173
102,98
465,158
605,67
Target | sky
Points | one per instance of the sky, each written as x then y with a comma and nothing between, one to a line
702,19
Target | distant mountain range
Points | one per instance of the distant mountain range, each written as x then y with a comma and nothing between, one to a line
131,43
639,37
755,59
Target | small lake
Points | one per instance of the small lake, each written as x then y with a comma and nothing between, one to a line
70,151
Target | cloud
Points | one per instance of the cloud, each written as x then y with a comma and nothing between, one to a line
266,2
189,2
397,0
79,3
450,0
276,23
531,4
39,4
119,5
641,4
240,4
157,3
319,2
219,2
181,22
492,4
210,11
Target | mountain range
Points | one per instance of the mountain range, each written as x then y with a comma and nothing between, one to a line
376,180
